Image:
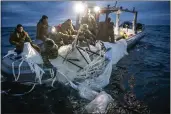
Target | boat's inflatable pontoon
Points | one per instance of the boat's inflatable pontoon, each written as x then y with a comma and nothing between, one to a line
11,65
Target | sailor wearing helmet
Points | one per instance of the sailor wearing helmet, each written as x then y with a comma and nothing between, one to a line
50,51
66,31
59,38
86,35
67,28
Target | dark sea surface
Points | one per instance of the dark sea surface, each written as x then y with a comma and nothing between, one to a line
148,62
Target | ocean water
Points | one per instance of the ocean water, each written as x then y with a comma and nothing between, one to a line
148,63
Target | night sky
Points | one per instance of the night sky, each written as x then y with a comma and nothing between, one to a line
29,13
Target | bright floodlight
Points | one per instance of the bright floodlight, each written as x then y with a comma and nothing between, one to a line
53,29
96,9
79,8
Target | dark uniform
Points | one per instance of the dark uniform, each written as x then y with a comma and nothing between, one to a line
50,52
106,31
19,38
110,32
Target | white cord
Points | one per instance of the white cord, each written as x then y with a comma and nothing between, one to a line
25,92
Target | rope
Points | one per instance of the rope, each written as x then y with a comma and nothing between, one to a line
19,69
39,72
13,69
25,92
53,81
70,82
95,66
10,53
52,73
33,67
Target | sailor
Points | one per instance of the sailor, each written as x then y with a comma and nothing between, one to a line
89,19
50,51
110,33
19,37
67,28
60,38
42,28
86,35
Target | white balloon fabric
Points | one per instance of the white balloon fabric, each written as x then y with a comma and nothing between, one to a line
86,78
89,83
99,104
31,54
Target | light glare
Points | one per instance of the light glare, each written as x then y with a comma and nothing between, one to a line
96,9
79,8
53,30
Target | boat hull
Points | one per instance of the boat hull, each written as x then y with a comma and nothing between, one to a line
26,74
134,39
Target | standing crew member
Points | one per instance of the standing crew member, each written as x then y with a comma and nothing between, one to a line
110,32
42,28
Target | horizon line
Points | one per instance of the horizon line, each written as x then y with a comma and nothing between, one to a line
35,26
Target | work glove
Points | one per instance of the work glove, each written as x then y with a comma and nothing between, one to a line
20,44
71,37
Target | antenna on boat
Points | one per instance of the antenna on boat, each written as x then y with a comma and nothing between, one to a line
115,3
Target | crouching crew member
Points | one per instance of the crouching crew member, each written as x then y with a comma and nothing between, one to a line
86,35
60,38
50,51
67,28
19,37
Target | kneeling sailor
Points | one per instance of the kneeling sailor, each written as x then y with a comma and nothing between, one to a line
50,51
